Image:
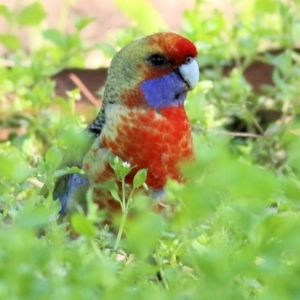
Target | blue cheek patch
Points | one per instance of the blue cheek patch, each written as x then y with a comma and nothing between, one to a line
164,91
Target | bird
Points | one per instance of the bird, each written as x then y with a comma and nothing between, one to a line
142,120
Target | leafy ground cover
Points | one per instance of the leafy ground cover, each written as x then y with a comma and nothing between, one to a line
234,233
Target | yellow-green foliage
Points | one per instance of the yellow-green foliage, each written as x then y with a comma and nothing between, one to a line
234,233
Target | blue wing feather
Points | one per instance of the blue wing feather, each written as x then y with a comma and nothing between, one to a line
66,193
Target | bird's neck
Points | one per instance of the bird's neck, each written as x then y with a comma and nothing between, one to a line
174,113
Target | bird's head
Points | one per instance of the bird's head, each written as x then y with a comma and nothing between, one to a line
156,71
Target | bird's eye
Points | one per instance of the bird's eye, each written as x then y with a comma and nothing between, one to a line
188,60
157,59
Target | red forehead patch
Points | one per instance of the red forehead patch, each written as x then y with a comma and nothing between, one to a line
175,47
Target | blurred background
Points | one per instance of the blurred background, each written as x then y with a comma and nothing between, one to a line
108,15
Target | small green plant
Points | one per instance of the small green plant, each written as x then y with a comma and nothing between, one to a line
125,195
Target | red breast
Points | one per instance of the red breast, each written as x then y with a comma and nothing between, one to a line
155,141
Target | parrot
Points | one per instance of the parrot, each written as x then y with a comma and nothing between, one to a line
142,120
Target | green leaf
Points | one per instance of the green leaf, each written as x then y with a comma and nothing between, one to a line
67,170
54,36
74,95
147,228
265,6
107,49
115,195
4,11
13,166
83,225
33,217
32,14
10,41
112,187
82,23
144,13
140,178
53,157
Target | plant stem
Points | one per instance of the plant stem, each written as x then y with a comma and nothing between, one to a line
124,207
163,277
121,229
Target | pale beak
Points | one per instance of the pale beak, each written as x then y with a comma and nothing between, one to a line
190,73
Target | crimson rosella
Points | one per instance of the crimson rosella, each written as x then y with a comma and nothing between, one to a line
142,120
